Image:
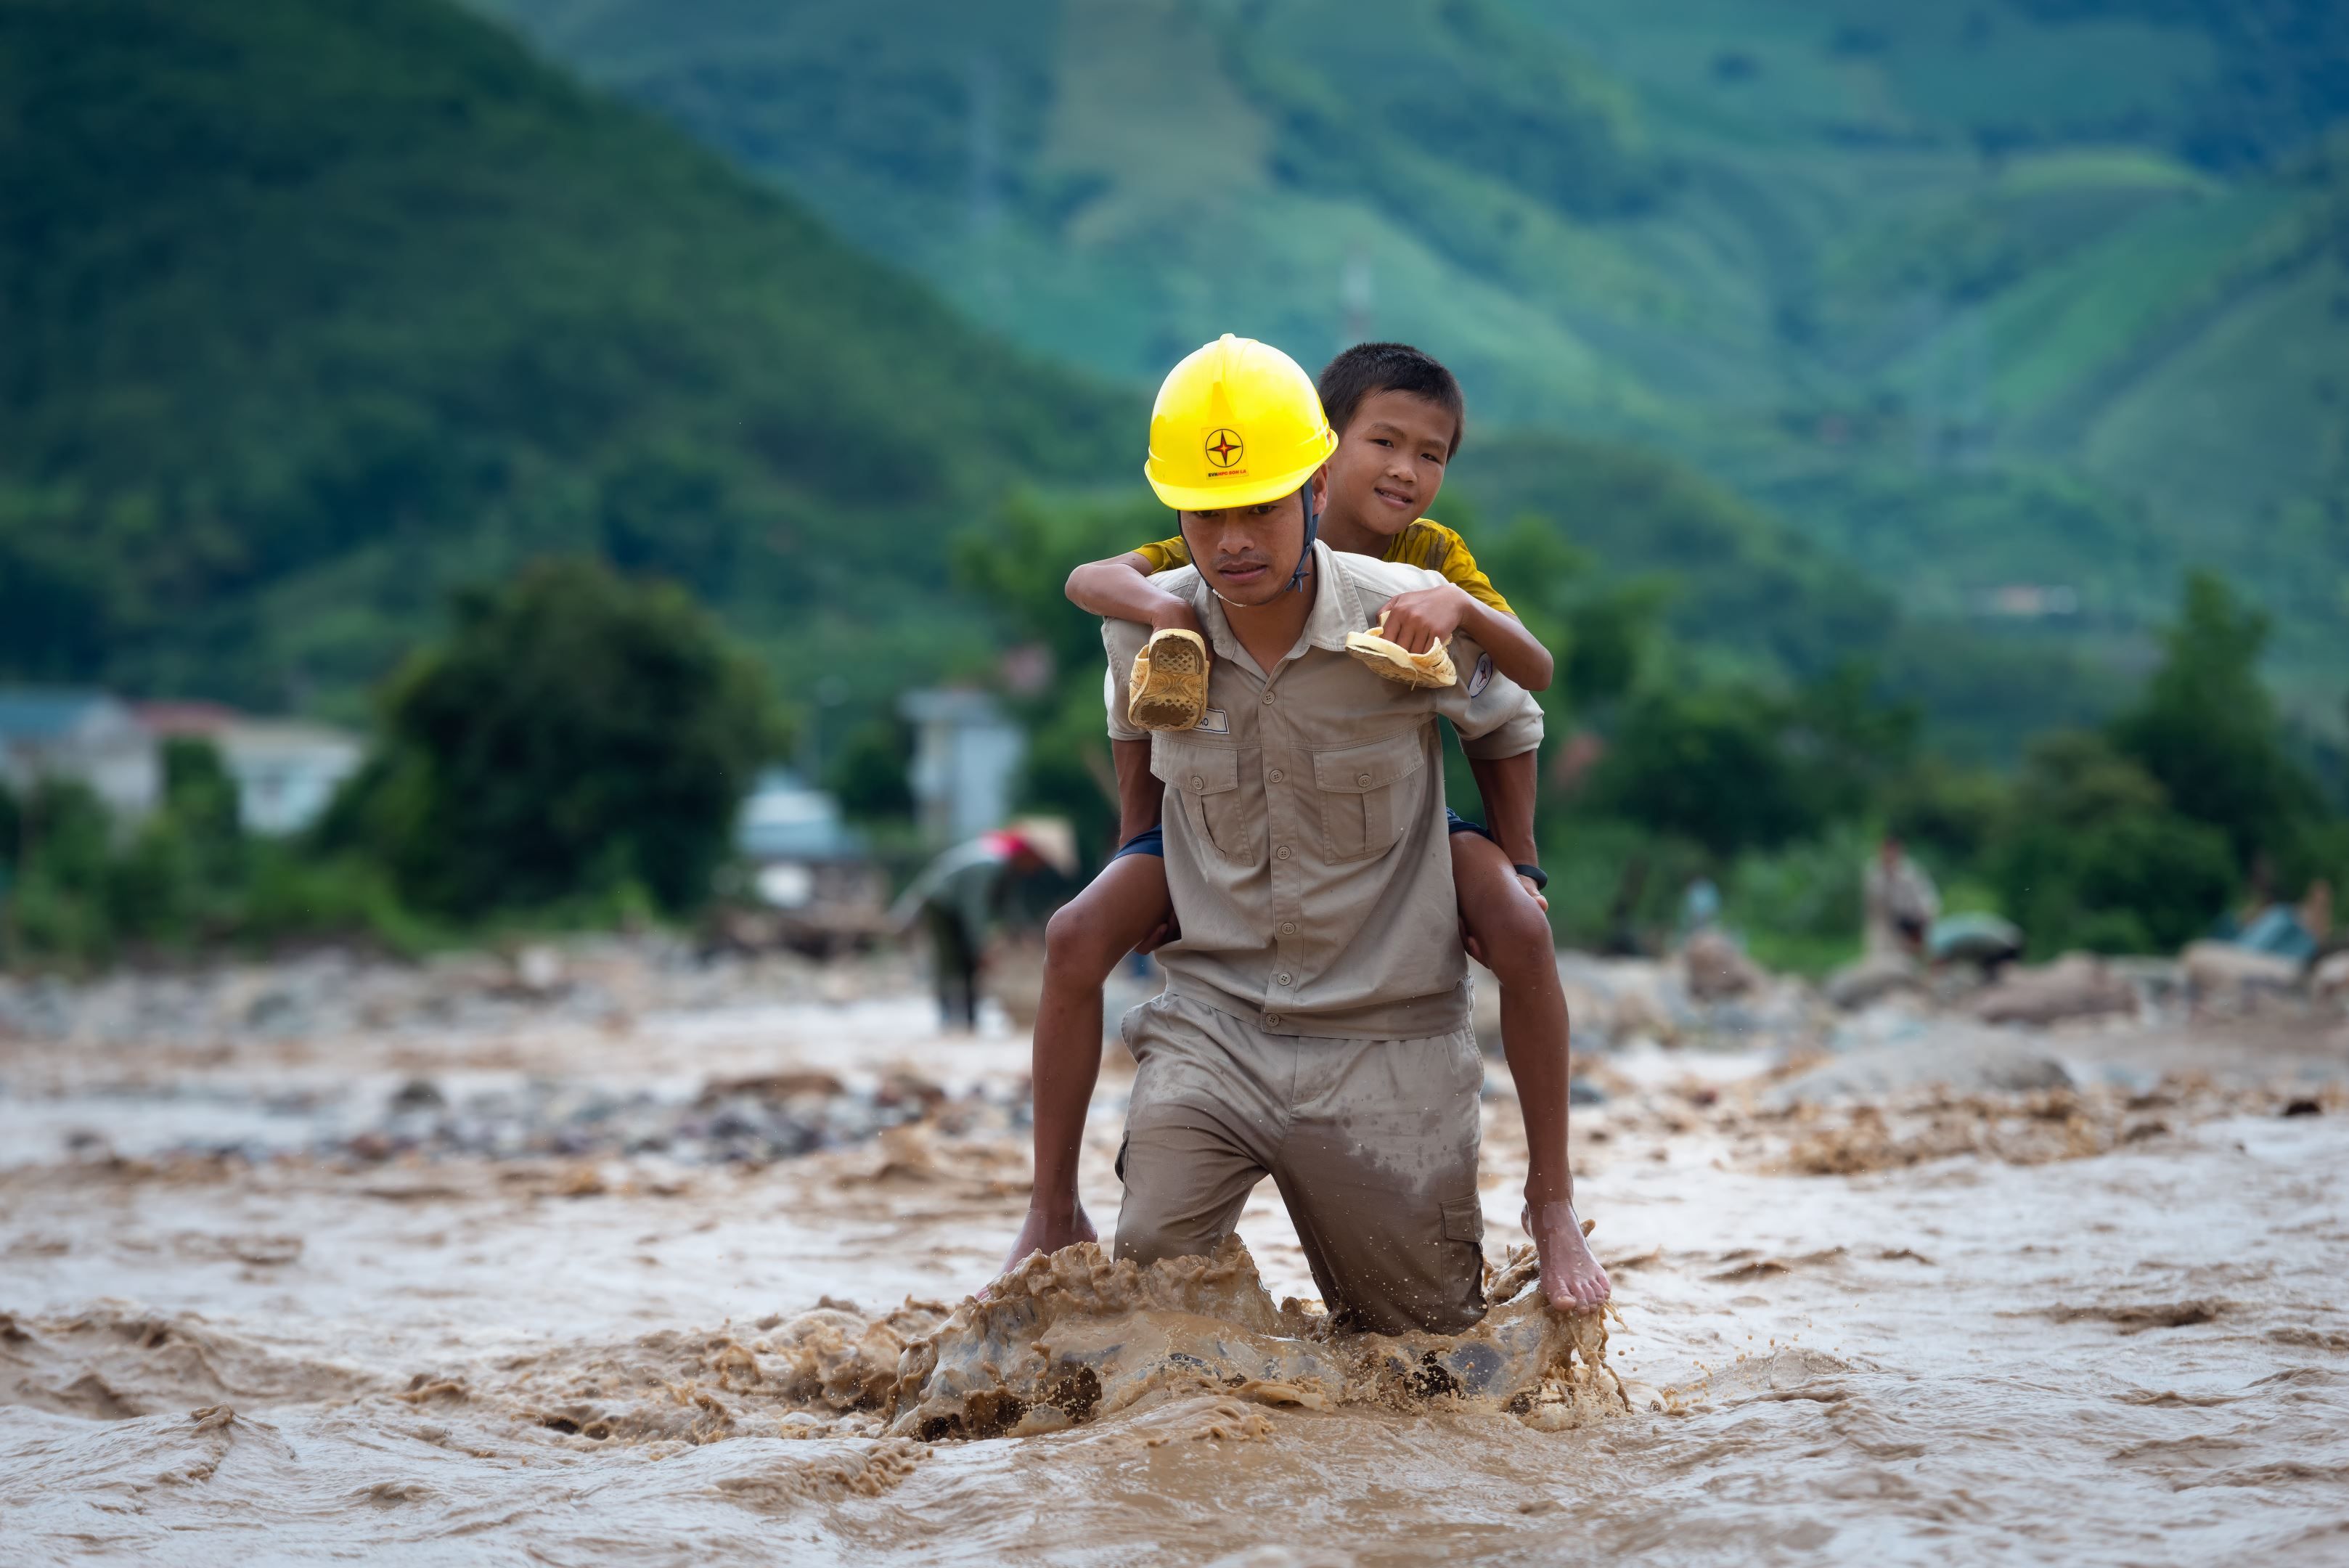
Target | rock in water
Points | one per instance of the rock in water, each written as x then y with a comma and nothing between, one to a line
1965,1059
1872,979
1717,969
2074,986
2223,970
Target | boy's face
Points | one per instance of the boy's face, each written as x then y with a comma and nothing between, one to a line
1390,459
1248,554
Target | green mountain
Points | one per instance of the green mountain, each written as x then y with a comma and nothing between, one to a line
310,309
2026,292
328,307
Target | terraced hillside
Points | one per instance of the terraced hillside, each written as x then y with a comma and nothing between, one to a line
2028,292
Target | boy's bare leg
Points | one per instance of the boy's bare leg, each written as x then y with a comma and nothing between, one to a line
1509,934
1123,908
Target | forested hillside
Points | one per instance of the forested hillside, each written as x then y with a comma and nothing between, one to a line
2035,292
310,309
327,309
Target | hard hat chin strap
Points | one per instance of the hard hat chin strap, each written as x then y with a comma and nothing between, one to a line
1312,528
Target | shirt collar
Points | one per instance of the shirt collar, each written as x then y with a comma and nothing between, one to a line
1337,607
1336,610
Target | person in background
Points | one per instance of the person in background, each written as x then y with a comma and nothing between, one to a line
1700,907
1900,900
961,897
2316,911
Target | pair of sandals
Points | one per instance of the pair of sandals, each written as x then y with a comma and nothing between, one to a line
1169,674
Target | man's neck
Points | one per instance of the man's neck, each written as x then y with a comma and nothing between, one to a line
1269,630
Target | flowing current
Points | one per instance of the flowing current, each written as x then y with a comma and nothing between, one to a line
2088,1327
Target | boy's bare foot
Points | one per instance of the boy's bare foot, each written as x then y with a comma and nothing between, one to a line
1044,1233
1570,1275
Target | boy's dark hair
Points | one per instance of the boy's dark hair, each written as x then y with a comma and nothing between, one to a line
1368,368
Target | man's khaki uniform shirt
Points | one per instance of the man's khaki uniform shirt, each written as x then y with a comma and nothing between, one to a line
1306,850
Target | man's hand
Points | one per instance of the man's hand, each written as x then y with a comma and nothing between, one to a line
1422,618
1049,1232
1170,929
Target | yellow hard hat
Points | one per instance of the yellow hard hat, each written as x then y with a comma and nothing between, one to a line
1235,423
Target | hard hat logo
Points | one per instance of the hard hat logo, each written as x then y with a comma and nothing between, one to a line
1225,449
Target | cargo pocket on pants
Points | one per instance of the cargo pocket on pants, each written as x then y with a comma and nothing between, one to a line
1464,1249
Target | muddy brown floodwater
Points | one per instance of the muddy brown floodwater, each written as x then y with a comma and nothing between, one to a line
241,1322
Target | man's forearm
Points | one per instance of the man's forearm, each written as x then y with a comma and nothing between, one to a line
1141,795
1118,590
1517,653
1507,786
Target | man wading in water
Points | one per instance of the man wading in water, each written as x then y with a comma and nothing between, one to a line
1315,1027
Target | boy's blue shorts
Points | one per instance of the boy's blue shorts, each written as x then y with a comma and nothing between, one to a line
1149,841
1456,823
1152,840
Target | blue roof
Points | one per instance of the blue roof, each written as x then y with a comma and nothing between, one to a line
32,713
786,820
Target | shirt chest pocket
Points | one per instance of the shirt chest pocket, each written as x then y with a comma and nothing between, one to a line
1207,779
1370,794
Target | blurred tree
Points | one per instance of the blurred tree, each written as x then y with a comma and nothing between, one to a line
1706,763
1019,562
870,774
1849,743
1948,812
1597,631
59,902
2090,854
2206,729
199,792
577,734
181,874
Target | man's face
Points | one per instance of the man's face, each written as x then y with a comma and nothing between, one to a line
1391,459
1248,554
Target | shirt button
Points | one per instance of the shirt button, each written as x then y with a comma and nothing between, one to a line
1362,779
1289,927
1281,853
1272,1021
1197,782
1274,776
1268,697
1281,977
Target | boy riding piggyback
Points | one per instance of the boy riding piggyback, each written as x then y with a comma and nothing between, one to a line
1359,482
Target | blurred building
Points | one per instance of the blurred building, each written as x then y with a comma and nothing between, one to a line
84,737
967,757
794,837
809,867
285,771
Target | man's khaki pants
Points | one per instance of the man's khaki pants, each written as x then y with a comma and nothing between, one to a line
1371,1142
